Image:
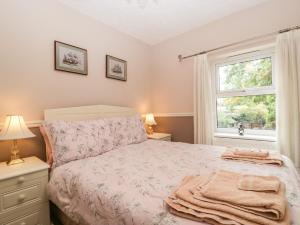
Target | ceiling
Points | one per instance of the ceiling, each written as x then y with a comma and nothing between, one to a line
153,21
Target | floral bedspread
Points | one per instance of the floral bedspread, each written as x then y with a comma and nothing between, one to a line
127,186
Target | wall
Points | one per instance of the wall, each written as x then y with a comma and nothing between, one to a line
173,81
156,80
28,82
178,126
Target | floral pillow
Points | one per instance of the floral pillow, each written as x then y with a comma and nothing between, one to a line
128,130
79,139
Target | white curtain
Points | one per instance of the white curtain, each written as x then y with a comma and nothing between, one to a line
288,94
203,123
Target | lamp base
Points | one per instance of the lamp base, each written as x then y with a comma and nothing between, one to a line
14,162
149,129
14,158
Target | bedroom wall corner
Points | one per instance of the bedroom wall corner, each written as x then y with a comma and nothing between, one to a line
28,82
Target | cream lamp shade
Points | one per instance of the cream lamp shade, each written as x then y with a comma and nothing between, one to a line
150,119
15,128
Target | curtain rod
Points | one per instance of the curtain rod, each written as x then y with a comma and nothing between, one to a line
180,57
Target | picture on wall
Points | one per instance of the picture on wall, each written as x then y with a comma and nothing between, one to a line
69,58
116,68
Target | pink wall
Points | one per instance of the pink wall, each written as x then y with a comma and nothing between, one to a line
156,81
28,82
173,81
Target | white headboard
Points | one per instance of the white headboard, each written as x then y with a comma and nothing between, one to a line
87,112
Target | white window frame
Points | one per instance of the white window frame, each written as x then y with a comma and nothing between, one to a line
244,92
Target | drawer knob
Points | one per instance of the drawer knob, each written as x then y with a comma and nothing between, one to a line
22,197
21,180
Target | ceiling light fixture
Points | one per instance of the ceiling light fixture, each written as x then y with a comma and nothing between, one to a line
142,3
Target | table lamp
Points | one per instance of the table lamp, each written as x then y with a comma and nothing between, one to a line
150,121
14,128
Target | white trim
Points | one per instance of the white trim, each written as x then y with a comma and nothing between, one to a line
217,93
37,123
241,59
187,114
256,132
246,137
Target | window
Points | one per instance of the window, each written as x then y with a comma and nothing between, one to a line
245,94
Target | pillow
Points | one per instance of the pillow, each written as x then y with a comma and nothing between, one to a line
79,139
49,156
128,130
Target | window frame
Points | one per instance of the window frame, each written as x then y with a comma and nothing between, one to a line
265,90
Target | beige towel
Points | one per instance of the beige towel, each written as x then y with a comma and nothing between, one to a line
185,202
185,215
259,183
260,153
185,209
273,158
223,186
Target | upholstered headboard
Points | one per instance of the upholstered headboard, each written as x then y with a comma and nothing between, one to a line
87,112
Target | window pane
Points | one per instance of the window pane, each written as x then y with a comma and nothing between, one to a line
255,112
249,74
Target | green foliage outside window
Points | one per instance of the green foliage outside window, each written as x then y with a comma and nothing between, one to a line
254,111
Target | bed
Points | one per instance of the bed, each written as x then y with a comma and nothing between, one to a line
127,186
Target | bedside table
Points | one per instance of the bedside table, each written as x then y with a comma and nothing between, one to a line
23,193
160,136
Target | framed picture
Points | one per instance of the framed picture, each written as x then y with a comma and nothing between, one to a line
69,58
116,68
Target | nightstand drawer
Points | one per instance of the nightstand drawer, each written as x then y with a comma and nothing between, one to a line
14,198
37,215
23,193
27,220
22,180
20,197
166,139
160,136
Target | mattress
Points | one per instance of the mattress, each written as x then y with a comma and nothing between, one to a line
127,186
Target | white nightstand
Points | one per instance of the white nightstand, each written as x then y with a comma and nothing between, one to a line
160,136
23,193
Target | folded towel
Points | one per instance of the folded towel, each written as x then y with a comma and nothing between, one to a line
260,153
223,186
273,158
186,207
185,213
185,202
258,183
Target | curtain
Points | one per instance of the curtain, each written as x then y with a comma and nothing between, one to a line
288,94
203,119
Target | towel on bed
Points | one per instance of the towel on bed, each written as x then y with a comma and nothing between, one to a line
259,183
260,153
273,158
187,201
229,192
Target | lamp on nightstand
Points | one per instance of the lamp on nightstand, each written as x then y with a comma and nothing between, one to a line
14,128
150,121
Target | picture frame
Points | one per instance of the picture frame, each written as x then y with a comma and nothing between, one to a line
116,68
69,58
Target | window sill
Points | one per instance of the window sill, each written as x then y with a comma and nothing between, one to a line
246,137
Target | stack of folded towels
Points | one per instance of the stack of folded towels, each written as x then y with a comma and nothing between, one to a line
253,155
230,198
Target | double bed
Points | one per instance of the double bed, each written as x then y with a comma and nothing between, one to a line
128,185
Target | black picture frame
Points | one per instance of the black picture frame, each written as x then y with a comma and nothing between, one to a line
71,59
116,68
